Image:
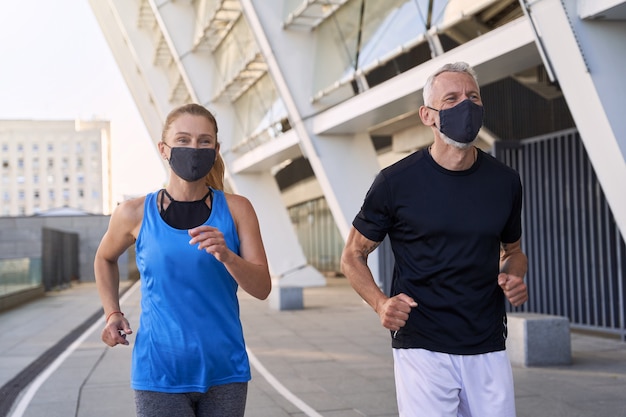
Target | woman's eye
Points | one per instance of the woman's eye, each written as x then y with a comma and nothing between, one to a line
205,142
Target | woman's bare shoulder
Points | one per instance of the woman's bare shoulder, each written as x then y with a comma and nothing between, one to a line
237,202
240,207
130,212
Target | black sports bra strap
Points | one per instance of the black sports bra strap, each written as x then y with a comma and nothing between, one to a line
208,193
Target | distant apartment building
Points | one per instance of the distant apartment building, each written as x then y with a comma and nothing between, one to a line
49,165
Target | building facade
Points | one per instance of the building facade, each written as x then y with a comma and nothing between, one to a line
314,97
50,164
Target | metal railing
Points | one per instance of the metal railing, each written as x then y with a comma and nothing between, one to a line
60,253
318,234
577,256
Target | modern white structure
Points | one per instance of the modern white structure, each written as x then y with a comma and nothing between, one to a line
50,165
313,97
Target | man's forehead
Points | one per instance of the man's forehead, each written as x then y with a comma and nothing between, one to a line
451,81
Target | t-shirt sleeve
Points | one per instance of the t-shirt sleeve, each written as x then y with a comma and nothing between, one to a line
374,219
513,230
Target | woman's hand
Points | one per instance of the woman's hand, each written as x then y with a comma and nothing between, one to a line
212,241
115,331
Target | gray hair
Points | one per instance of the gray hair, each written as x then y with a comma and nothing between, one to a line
453,67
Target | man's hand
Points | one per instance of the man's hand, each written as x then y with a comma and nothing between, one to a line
394,311
514,288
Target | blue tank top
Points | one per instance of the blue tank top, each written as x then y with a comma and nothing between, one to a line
189,336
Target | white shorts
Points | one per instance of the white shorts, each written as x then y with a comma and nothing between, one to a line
434,384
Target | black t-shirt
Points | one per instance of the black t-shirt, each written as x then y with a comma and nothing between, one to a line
445,229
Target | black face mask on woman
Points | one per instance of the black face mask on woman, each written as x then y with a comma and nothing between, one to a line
191,164
462,122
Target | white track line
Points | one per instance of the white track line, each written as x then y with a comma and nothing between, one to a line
280,388
28,396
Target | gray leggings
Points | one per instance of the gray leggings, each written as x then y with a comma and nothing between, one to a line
228,400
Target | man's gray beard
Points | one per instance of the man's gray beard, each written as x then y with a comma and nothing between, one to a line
456,144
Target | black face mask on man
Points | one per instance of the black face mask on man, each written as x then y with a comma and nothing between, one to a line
191,164
462,122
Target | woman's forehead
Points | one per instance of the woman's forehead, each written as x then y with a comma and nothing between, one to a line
192,124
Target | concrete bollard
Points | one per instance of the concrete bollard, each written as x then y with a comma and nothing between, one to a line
538,340
286,298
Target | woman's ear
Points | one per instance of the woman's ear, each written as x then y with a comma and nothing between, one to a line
161,148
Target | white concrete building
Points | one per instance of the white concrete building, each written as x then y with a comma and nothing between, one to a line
314,97
50,164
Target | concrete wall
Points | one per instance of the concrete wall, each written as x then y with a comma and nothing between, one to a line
21,237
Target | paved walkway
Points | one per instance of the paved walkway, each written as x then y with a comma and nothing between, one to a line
330,359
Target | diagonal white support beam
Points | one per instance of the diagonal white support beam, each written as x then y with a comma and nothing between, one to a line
344,165
128,46
583,80
284,253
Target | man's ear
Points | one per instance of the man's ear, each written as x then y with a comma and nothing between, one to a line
427,116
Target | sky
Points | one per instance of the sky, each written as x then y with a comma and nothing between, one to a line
55,64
